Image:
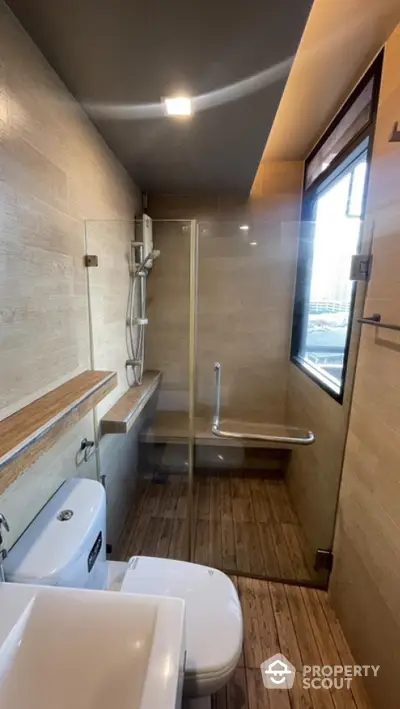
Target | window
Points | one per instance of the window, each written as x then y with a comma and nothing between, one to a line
335,189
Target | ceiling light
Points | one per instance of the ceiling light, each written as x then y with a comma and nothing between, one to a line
244,227
178,106
253,243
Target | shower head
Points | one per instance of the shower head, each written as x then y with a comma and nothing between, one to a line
150,257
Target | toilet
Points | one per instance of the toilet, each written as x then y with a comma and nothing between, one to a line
66,546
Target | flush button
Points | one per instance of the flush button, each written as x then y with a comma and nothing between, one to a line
65,515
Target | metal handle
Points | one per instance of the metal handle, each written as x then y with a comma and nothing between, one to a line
3,550
217,405
4,523
376,321
216,430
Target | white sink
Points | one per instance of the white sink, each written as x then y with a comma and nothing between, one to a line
63,648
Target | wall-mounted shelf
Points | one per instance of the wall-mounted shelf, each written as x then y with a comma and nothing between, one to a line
28,433
121,417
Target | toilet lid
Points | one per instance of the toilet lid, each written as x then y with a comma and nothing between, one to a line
213,613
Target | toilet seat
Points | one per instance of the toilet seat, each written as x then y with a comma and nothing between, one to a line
214,627
199,684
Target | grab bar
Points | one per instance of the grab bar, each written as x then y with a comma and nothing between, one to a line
217,408
375,320
216,430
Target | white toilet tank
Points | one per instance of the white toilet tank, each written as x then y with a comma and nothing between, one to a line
65,545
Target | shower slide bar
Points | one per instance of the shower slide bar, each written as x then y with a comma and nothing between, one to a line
296,439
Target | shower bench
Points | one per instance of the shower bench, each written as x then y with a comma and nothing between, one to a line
173,427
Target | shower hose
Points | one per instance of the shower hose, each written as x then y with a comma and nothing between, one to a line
136,323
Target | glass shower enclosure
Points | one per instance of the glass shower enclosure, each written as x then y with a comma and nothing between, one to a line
219,492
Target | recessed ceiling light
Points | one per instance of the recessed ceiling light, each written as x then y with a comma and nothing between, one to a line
178,106
244,227
253,243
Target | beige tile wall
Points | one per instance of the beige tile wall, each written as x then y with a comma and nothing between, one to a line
366,580
244,312
313,474
244,296
55,172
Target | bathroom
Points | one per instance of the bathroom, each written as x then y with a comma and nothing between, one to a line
291,487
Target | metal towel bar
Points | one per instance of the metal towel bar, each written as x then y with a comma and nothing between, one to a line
376,321
217,431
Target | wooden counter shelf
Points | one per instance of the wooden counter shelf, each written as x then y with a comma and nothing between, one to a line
121,417
27,434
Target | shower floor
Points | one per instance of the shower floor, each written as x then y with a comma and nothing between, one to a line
243,524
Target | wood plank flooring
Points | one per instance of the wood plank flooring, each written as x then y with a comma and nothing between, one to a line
242,524
296,621
301,624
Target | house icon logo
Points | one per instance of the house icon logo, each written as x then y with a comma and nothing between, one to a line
278,672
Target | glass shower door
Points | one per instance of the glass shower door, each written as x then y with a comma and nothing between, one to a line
245,520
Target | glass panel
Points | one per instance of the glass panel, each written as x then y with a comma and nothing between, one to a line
245,515
147,317
162,511
357,190
336,236
356,118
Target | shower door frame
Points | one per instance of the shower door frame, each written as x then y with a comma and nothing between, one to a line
193,293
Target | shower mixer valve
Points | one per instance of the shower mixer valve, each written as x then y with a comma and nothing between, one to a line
133,362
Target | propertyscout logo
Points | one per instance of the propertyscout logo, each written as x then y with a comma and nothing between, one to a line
335,676
279,673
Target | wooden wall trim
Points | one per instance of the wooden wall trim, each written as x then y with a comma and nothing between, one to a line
28,433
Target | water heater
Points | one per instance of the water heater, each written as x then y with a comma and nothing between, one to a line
145,235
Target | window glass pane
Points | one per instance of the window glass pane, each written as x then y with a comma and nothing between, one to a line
336,235
357,190
356,118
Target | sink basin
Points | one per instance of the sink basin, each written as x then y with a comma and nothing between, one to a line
68,648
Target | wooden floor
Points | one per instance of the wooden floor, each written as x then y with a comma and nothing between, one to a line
242,524
249,523
300,624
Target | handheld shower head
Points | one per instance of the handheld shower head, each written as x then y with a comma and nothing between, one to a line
150,257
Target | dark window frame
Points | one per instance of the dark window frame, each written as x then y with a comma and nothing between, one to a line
304,259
